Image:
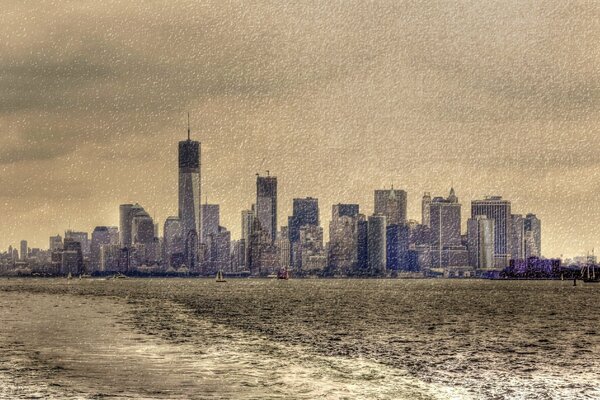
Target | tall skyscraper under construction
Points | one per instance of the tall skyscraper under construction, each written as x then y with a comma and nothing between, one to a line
189,198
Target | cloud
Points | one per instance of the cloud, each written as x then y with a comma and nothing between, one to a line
37,143
31,153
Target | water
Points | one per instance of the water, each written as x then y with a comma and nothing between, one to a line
177,338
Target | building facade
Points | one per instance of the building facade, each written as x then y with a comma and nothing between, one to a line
100,237
82,238
392,204
517,237
445,231
172,242
305,212
533,230
142,231
210,221
425,202
343,236
266,204
55,243
376,245
23,250
499,210
480,233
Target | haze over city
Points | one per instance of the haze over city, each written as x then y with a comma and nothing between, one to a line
336,100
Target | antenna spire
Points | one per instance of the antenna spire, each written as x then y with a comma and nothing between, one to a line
188,125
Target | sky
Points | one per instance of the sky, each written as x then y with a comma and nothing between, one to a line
335,98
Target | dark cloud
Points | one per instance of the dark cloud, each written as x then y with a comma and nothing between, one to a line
38,143
26,153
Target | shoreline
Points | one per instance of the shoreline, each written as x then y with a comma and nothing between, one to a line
300,278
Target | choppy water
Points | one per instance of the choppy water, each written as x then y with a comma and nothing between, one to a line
176,338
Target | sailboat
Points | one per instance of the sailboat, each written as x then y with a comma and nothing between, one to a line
69,276
220,277
589,275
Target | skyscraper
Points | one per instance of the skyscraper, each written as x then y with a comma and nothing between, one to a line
71,257
142,228
376,244
247,223
343,236
263,256
125,225
266,204
362,245
219,250
113,231
392,204
172,244
344,210
533,229
310,245
395,245
305,212
126,213
210,220
284,247
425,208
494,207
114,258
480,234
248,217
23,249
82,238
55,243
237,255
189,198
517,237
142,231
445,222
101,236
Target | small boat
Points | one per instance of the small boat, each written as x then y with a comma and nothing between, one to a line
119,276
283,274
220,277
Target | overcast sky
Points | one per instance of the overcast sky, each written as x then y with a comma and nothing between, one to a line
335,98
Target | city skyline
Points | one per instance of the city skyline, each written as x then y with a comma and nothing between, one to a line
335,101
380,200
